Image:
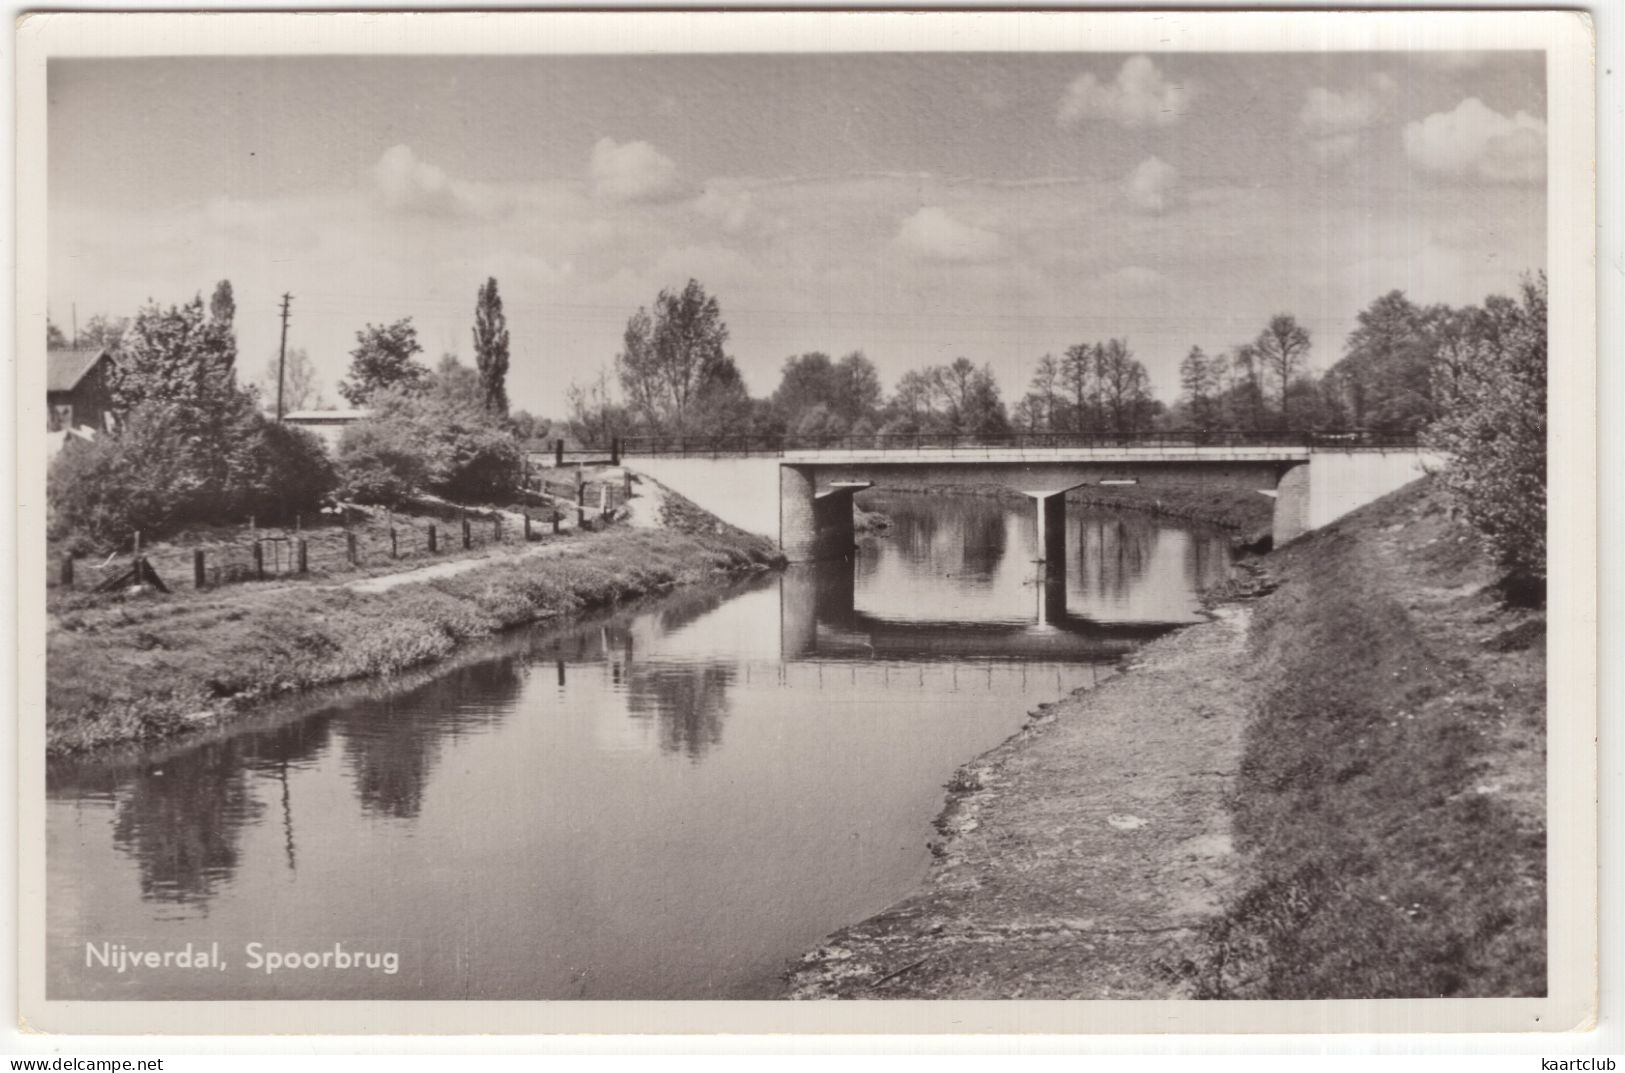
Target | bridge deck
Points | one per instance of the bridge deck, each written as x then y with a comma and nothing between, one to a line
1031,455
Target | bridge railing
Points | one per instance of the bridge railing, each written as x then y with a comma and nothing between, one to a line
714,446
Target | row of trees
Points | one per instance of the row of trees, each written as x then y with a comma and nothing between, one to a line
676,379
1091,387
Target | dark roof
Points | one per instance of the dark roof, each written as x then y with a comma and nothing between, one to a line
65,368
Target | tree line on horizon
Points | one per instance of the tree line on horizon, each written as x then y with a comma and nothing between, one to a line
1470,381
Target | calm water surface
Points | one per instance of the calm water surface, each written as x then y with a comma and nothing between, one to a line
664,803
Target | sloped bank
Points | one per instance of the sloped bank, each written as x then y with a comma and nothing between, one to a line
1335,790
153,667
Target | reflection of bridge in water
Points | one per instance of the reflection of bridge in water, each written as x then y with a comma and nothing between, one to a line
819,619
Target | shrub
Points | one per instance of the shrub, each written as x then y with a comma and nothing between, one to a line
103,491
440,442
1493,429
169,464
383,460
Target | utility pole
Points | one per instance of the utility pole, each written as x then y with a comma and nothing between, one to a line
282,354
75,308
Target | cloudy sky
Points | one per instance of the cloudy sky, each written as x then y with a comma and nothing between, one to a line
916,207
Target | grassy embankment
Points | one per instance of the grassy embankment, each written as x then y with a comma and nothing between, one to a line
152,666
1390,799
1345,799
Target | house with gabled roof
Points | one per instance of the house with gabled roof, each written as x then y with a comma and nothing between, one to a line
78,389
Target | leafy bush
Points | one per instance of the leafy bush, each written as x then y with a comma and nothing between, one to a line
442,442
382,460
1493,429
168,465
102,492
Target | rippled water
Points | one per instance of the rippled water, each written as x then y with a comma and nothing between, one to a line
667,802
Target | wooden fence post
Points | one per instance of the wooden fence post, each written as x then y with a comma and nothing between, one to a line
468,534
555,521
200,573
434,542
527,526
304,557
581,516
626,483
259,560
496,528
558,453
350,549
615,451
394,544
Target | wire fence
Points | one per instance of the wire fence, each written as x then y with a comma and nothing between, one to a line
270,554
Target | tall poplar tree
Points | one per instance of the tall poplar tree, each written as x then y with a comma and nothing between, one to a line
491,348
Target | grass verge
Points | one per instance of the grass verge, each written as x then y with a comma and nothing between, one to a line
1391,796
151,667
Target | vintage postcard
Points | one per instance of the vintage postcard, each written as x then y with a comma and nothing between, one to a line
807,522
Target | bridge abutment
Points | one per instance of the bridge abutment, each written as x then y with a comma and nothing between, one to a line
1291,505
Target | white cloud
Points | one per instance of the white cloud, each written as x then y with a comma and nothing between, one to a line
635,171
1476,142
410,185
1332,111
732,210
935,236
1138,97
1335,118
1153,186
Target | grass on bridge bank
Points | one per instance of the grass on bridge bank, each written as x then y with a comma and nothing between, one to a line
1391,797
152,666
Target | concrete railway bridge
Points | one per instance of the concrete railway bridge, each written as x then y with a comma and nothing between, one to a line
801,496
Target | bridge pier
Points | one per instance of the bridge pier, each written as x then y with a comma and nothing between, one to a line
1051,529
815,525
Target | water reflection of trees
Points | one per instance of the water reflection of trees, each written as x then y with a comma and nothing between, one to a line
1114,552
688,703
1207,558
181,817
391,746
954,535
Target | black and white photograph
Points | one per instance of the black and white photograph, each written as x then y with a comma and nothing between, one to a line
659,508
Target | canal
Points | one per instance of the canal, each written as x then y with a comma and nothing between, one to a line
665,802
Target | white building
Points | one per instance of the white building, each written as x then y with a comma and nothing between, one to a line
328,425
